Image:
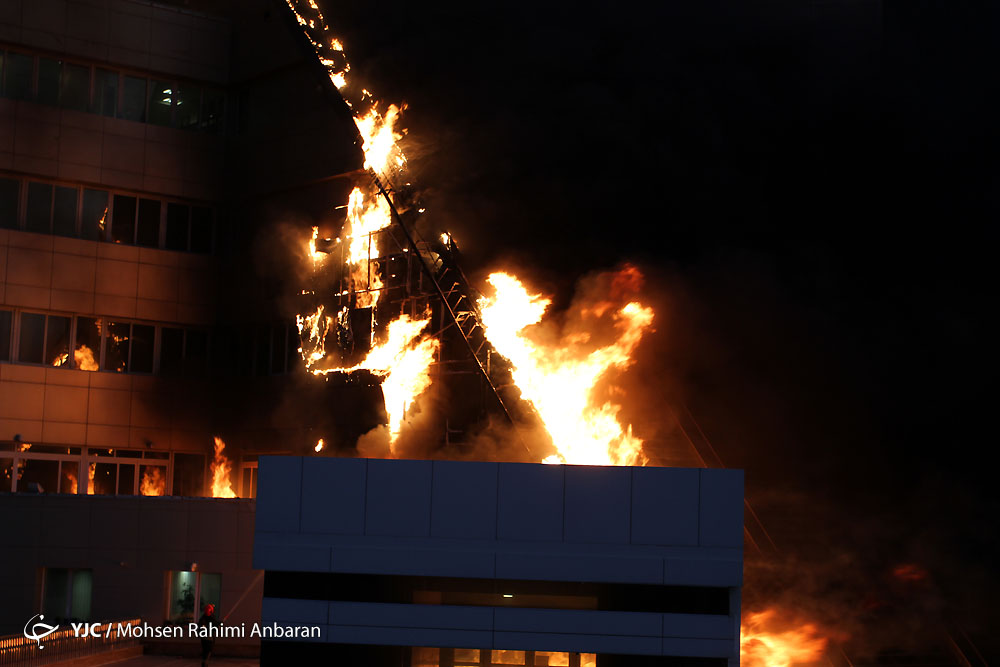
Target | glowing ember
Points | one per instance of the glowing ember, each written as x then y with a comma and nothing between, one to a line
319,445
60,359
910,572
153,483
766,640
312,336
25,446
559,378
222,487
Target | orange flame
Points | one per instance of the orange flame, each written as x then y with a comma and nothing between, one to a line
313,348
92,470
380,138
558,379
766,640
153,482
403,361
84,358
319,445
222,487
73,484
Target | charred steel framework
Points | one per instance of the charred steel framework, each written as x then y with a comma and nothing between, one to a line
417,276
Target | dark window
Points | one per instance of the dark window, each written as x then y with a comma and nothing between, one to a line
263,357
57,342
161,102
123,220
171,350
6,320
189,475
142,349
213,109
126,479
94,215
31,339
86,351
225,349
38,216
148,230
201,229
48,81
67,594
38,476
9,191
105,478
177,226
278,350
64,211
17,82
105,93
74,92
187,106
196,352
134,99
116,347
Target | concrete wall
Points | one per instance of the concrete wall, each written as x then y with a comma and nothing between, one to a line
666,526
129,544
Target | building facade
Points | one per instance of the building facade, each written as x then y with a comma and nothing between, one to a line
438,563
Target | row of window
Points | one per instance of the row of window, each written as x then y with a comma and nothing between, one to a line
29,468
110,344
67,594
112,93
103,215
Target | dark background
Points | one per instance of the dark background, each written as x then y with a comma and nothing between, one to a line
810,189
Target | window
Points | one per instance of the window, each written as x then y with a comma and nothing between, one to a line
105,93
74,88
248,479
148,226
18,73
133,99
161,102
189,475
31,338
38,216
38,476
171,350
123,219
461,657
201,229
213,109
94,215
6,322
66,594
57,341
187,106
86,351
48,81
64,211
9,192
178,216
189,592
129,348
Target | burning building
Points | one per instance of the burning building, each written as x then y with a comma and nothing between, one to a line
205,257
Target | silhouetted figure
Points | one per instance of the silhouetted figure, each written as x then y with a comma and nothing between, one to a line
207,620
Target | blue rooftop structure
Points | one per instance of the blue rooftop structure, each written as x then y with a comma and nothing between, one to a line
440,563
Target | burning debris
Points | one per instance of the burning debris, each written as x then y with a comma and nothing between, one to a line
768,639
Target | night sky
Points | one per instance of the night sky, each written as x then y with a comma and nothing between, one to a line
811,190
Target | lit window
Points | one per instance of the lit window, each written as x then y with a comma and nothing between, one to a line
94,215
189,592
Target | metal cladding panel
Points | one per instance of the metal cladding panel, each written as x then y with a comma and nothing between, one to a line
720,517
685,572
271,553
665,506
576,621
279,485
697,648
697,626
418,562
441,617
597,504
579,567
286,611
464,500
398,500
378,635
333,496
531,502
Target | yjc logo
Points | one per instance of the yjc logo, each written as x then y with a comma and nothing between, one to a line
38,630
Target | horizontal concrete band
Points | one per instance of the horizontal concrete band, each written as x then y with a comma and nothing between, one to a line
503,628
